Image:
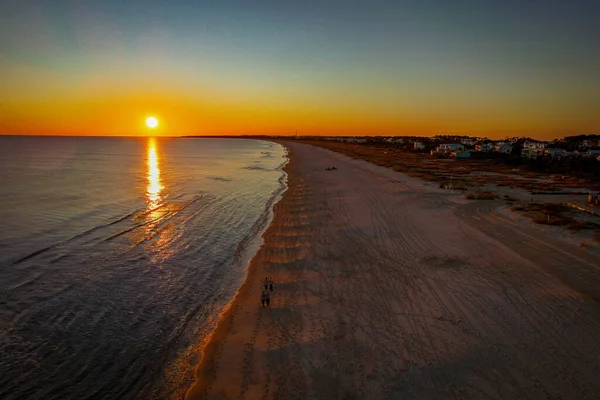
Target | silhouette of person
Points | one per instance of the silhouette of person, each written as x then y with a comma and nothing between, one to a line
264,298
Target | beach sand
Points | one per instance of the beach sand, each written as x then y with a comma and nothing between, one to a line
387,287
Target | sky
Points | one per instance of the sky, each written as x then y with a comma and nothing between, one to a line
402,67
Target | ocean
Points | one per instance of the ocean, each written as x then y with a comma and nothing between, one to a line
117,256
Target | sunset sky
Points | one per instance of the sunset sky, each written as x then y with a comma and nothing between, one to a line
422,67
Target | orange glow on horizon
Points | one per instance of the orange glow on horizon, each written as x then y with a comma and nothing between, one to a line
120,115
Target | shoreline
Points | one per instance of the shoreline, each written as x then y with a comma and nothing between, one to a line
390,287
205,372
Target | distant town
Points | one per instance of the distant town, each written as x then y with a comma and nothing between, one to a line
465,147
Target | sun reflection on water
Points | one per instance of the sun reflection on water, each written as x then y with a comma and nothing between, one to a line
153,197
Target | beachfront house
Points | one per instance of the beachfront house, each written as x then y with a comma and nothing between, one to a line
531,153
460,155
590,143
528,153
484,147
533,144
395,140
419,145
592,153
450,147
355,140
555,152
504,148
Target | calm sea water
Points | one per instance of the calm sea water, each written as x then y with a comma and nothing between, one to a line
117,255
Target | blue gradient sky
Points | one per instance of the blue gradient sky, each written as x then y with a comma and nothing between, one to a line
493,68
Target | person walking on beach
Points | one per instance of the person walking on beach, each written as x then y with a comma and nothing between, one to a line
264,298
271,283
268,298
266,283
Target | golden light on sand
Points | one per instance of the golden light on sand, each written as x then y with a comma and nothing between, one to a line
151,122
154,186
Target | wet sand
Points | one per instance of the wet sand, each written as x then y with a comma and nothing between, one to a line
389,287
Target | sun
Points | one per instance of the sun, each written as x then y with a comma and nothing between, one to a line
151,122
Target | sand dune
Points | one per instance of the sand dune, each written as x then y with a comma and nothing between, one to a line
388,287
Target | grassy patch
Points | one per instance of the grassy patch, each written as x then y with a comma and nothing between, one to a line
554,214
552,220
481,196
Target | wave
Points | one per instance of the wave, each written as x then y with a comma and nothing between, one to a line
266,216
135,215
75,237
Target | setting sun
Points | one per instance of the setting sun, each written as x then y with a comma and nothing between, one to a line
151,122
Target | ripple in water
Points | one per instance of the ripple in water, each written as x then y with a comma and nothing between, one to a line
118,255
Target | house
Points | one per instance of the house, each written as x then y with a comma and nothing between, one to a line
449,147
484,147
528,152
592,153
394,140
533,144
461,155
355,140
531,153
419,145
503,148
555,152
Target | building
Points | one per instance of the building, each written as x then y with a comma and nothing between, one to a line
555,152
503,148
484,147
592,153
355,140
531,153
461,155
449,147
419,145
533,144
590,143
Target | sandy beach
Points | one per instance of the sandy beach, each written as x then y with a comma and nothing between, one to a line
388,287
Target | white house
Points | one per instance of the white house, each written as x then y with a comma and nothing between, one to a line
419,145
